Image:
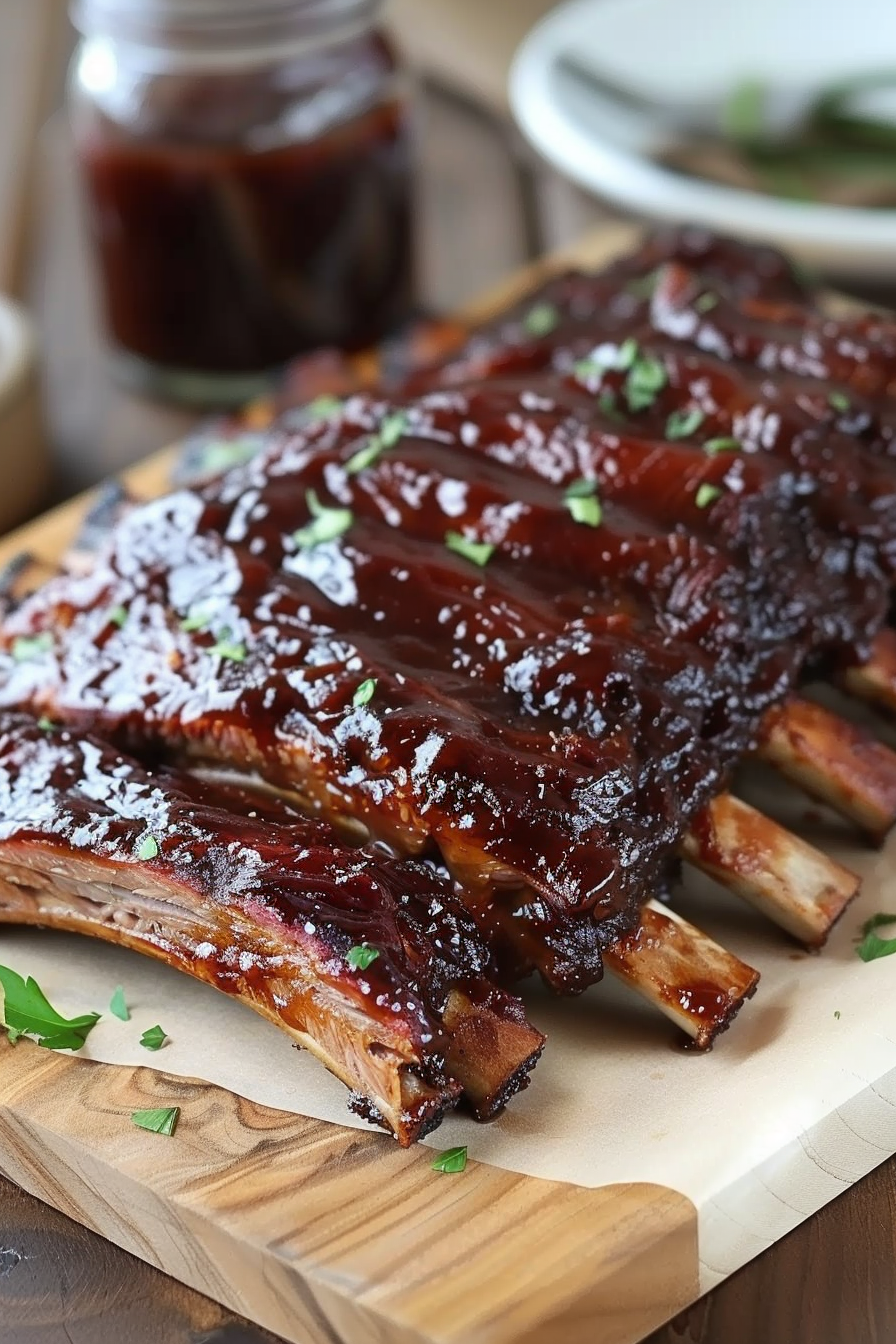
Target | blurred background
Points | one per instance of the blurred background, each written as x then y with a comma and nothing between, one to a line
481,205
193,193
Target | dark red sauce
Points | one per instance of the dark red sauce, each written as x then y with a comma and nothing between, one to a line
220,254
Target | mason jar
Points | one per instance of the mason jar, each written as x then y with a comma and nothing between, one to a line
248,183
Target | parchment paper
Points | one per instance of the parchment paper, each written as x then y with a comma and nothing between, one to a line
614,1098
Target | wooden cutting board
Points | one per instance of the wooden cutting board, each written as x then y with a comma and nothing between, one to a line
331,1236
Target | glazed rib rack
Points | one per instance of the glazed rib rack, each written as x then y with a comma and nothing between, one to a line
522,615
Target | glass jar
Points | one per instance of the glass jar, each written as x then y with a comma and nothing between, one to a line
248,181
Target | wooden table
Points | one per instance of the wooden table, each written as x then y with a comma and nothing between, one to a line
833,1281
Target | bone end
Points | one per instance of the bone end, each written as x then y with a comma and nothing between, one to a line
833,760
782,876
680,970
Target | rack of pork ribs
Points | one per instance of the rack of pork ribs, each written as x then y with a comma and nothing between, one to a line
443,685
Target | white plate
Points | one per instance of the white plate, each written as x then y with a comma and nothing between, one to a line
685,51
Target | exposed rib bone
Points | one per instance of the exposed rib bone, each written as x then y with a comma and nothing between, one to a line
875,681
833,760
794,884
676,968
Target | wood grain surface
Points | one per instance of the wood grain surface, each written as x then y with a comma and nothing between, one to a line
323,1234
829,1282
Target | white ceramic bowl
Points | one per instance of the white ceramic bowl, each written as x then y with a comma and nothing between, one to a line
684,51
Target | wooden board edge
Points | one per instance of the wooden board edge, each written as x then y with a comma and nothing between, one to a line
387,1251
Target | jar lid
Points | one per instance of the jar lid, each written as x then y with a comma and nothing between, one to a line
218,23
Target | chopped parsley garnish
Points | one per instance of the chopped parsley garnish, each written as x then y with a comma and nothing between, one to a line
477,552
626,354
46,725
118,1007
607,404
359,958
148,848
450,1161
196,619
646,378
364,694
714,446
388,434
117,616
28,647
323,408
583,504
26,1012
326,524
541,319
584,368
839,401
219,455
706,302
153,1039
872,945
706,495
837,1014
643,286
227,648
682,424
161,1121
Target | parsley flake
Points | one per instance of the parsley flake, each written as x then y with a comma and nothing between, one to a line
26,1012
646,378
362,956
28,647
706,302
682,424
583,504
837,1014
643,286
326,524
219,455
46,725
872,946
839,401
117,616
452,1160
364,694
224,647
706,495
196,619
626,354
390,431
154,1038
714,446
586,368
541,319
160,1121
323,408
607,404
118,1007
477,552
148,848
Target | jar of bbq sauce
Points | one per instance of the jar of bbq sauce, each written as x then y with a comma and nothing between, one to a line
247,171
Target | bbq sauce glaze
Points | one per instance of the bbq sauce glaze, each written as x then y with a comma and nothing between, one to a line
207,844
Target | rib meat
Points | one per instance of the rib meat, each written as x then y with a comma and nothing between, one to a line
268,910
401,616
